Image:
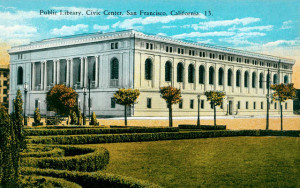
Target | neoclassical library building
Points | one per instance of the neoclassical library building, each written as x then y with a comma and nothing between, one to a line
132,59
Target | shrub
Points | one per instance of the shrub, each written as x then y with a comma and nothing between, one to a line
97,159
54,152
76,131
94,120
43,181
37,116
88,179
203,127
112,138
74,119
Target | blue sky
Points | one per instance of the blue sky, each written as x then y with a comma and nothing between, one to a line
240,24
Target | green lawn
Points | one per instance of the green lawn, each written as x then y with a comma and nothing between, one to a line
211,162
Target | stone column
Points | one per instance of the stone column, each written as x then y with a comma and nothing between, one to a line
45,76
33,76
81,71
96,71
68,73
86,71
42,75
71,72
58,72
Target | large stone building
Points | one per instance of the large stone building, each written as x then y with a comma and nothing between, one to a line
131,59
4,85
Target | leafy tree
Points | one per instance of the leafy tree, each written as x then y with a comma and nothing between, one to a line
94,119
216,99
37,116
283,92
126,97
172,96
61,99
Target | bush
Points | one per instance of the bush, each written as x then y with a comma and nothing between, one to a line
94,120
75,131
49,182
37,116
74,119
112,138
91,180
95,159
54,152
203,127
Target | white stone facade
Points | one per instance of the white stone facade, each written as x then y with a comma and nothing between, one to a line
131,59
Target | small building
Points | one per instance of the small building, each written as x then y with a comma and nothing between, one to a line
131,59
4,85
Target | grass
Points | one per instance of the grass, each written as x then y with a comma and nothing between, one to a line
212,162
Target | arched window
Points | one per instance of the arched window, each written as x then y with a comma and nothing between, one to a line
268,81
148,69
179,72
238,78
221,76
191,70
20,76
275,79
168,71
211,75
114,69
286,79
201,74
261,79
246,79
253,79
229,77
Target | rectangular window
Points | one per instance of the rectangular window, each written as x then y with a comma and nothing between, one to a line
275,105
149,105
112,46
167,48
116,45
180,104
4,99
203,54
151,46
211,105
286,105
262,105
147,45
171,49
193,53
190,52
5,83
112,103
192,104
202,104
182,51
239,105
221,105
200,54
254,105
178,50
4,91
247,105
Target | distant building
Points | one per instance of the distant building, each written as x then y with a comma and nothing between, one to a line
4,85
131,59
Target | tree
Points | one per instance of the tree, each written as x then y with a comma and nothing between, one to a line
94,119
37,117
126,97
283,92
172,96
61,99
216,99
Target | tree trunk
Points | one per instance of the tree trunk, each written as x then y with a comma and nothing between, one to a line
125,115
215,118
281,116
170,116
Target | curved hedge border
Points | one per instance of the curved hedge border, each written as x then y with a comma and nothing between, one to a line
55,152
112,138
95,159
76,131
33,181
91,179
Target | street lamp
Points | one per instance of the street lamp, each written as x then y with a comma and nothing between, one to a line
25,93
198,119
84,94
89,99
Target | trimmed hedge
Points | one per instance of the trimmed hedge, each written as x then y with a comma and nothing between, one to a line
91,179
44,181
112,138
55,152
203,127
95,159
76,131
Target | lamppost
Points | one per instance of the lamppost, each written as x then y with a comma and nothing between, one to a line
84,94
89,99
268,101
25,93
198,118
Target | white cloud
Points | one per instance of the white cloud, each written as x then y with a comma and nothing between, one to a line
69,30
287,24
241,38
208,41
100,27
130,23
207,34
168,26
283,43
17,31
111,17
161,34
224,23
246,29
